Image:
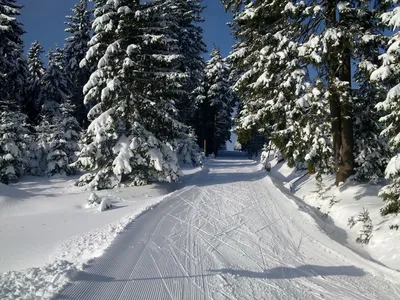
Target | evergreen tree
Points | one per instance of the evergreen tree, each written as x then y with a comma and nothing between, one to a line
216,108
64,142
327,32
55,87
12,66
14,135
187,14
270,78
389,75
36,71
14,138
310,116
188,150
133,130
75,49
370,148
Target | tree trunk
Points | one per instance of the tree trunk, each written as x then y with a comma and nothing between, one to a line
340,102
215,135
336,128
346,109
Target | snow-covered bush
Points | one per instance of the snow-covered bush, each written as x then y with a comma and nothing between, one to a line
105,204
102,203
93,200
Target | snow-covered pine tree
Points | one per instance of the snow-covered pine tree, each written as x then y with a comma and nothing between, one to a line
270,77
75,49
370,148
64,142
12,66
311,129
389,74
14,140
188,151
187,14
14,135
214,115
162,76
36,71
133,116
55,87
325,30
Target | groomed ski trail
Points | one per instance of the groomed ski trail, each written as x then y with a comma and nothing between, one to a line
230,235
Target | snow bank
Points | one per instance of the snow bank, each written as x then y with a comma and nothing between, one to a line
36,283
338,204
71,255
48,231
82,248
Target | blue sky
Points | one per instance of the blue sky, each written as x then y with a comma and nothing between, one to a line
44,21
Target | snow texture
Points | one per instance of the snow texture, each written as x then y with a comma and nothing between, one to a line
232,234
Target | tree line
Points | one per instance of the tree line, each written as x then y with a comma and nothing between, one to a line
320,79
127,97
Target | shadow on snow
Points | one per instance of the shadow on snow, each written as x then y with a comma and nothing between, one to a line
274,273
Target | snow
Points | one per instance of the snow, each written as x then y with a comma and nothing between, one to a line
48,231
231,234
382,73
230,231
335,205
105,204
392,18
393,166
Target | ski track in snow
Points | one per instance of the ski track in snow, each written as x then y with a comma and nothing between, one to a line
232,235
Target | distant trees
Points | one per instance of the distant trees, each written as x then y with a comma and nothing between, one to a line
216,102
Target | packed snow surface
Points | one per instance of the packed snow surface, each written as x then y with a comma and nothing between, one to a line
230,234
49,231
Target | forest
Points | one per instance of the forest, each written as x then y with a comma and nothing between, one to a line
127,98
320,80
129,95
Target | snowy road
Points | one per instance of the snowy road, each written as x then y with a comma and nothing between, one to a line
231,234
